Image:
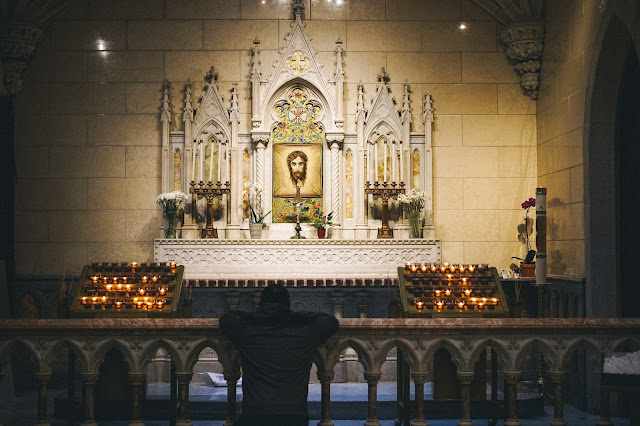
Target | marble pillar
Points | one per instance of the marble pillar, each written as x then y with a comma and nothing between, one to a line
465,377
183,377
558,378
42,380
325,397
511,398
372,378
418,380
89,382
137,389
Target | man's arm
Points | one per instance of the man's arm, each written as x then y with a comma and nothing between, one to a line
231,326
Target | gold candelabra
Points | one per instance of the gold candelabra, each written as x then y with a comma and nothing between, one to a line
384,191
210,191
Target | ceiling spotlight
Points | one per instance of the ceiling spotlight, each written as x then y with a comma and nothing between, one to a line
263,1
101,45
338,1
462,26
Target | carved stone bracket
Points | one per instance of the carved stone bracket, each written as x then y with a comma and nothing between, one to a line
17,43
524,43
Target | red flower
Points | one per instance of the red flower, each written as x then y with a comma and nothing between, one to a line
531,202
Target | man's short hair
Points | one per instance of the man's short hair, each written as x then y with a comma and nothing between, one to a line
292,156
275,293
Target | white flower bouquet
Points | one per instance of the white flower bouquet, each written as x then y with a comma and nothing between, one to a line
415,201
253,192
170,203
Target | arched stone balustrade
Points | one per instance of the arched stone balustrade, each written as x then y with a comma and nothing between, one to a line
137,340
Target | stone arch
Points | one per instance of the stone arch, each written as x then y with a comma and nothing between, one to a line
55,353
7,351
150,351
227,354
628,342
314,95
101,352
580,343
505,363
364,355
409,351
550,357
456,355
618,33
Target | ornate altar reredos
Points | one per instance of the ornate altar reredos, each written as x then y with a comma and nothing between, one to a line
297,112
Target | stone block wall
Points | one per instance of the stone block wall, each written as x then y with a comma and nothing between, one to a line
88,120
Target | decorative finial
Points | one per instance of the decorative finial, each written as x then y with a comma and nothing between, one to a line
298,9
211,75
383,77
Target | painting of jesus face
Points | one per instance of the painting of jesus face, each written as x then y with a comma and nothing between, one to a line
297,164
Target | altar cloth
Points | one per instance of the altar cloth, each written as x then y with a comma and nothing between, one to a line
289,259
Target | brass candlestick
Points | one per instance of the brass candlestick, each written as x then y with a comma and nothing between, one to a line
298,201
209,191
384,191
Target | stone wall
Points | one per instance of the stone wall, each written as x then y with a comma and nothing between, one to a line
88,120
571,30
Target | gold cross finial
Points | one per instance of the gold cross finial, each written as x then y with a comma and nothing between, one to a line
297,63
383,76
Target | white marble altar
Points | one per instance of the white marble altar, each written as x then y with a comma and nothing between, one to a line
294,259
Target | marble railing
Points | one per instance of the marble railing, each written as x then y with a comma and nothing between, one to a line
138,340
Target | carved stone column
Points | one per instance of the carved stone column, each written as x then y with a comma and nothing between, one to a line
42,380
524,45
511,397
337,299
419,378
89,381
558,378
325,397
335,145
605,416
465,377
17,42
261,142
372,378
231,379
233,299
362,302
137,382
183,377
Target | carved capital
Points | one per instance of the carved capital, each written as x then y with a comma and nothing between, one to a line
372,377
558,377
326,376
183,377
42,378
465,377
17,42
419,377
524,43
137,378
337,297
89,378
335,141
512,376
261,141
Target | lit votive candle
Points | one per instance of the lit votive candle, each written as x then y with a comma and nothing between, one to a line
484,300
159,304
414,268
94,279
124,280
467,292
494,300
464,281
94,299
149,305
119,286
145,279
118,304
108,286
162,291
433,268
104,280
84,300
141,291
449,277
447,292
424,267
419,304
408,265
460,305
154,279
134,265
172,265
472,268
128,287
438,292
439,304
474,300
139,305
104,299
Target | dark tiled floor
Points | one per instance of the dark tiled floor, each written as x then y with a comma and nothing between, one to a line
22,411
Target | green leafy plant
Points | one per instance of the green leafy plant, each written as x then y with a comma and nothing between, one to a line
253,216
321,222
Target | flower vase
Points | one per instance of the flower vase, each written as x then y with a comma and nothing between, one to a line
170,228
255,230
322,233
414,220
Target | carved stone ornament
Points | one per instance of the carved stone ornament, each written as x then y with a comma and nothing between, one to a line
524,43
278,259
17,42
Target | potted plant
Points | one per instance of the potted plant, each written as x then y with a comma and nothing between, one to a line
253,192
321,223
527,265
170,203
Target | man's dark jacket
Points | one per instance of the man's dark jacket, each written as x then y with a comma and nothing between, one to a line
276,348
